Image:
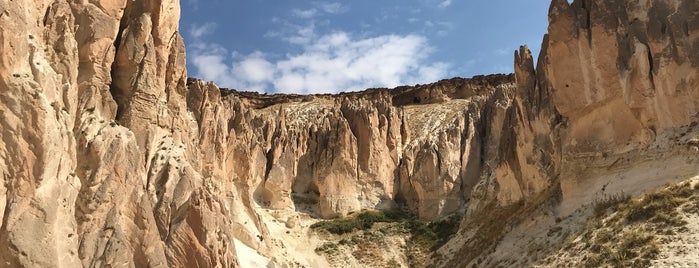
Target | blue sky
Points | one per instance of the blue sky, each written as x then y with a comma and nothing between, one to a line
327,46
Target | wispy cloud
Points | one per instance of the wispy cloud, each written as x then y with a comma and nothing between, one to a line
328,63
333,7
301,34
319,8
198,31
503,51
292,32
444,3
324,61
304,13
441,28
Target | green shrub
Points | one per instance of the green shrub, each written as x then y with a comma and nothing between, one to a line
432,234
426,234
362,221
338,226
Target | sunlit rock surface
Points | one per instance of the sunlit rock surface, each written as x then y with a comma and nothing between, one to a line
111,156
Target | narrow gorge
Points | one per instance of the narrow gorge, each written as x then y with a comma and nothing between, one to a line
111,156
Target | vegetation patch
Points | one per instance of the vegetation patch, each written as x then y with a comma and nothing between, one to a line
327,247
602,205
628,237
634,247
421,237
362,221
431,234
627,232
657,205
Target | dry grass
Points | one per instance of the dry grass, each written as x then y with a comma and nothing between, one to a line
624,231
635,247
602,205
366,242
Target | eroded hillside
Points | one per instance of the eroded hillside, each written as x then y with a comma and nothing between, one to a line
111,156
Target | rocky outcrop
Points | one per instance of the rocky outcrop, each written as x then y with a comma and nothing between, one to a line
614,91
421,147
91,94
111,156
625,77
622,72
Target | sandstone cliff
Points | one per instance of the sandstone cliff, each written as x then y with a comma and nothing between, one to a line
626,78
622,76
111,156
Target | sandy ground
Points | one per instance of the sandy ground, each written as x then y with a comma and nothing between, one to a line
248,257
682,249
638,176
294,244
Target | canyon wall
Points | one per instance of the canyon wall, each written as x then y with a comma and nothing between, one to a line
91,92
623,77
110,155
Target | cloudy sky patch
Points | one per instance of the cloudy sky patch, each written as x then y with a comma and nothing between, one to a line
328,46
329,63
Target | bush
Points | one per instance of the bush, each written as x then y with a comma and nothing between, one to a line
433,234
650,205
339,226
427,234
610,201
363,221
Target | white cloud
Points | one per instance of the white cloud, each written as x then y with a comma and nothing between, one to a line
328,63
254,68
301,34
319,8
333,8
198,31
304,13
441,28
444,3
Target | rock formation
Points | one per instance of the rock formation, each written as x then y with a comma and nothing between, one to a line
621,78
625,77
110,155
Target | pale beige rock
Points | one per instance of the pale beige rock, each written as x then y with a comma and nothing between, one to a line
110,156
623,77
77,181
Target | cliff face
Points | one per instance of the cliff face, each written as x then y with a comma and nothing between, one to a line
623,77
90,93
110,155
423,146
